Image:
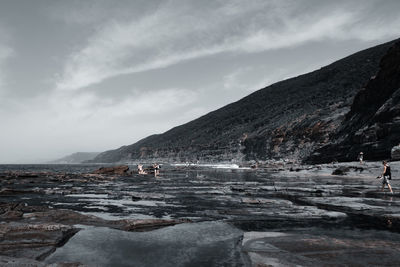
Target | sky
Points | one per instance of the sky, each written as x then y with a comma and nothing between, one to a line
93,75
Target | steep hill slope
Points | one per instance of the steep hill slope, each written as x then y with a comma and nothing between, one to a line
77,157
373,123
288,119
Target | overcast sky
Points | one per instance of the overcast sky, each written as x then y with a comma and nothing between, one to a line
93,75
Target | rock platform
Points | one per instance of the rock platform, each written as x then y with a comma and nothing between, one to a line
292,212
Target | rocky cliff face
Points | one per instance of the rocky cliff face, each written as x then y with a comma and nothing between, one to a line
289,119
373,123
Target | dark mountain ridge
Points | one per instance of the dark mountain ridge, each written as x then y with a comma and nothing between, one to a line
289,119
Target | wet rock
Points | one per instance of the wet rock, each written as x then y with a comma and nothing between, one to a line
136,196
295,169
248,199
25,262
117,170
69,217
395,153
33,241
145,225
342,170
64,217
28,175
256,200
11,215
364,212
9,191
238,189
11,261
318,247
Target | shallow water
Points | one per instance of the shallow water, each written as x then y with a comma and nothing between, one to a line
70,168
199,244
158,197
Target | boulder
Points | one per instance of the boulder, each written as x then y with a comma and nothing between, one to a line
117,170
342,170
395,153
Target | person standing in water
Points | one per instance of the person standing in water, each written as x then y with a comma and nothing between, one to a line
140,169
386,176
361,157
156,168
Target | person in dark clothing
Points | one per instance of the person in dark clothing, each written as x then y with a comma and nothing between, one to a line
156,168
386,176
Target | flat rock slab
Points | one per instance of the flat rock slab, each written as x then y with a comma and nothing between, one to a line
69,217
33,241
317,247
117,170
24,262
356,204
17,262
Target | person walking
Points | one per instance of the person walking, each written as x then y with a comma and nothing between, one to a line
386,176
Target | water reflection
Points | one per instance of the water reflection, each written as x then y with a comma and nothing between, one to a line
200,244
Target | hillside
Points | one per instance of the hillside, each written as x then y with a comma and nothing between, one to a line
289,119
77,157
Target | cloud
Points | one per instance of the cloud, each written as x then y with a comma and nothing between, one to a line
64,122
89,12
92,111
87,106
178,31
6,52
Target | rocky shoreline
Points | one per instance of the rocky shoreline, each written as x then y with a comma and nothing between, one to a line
41,211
